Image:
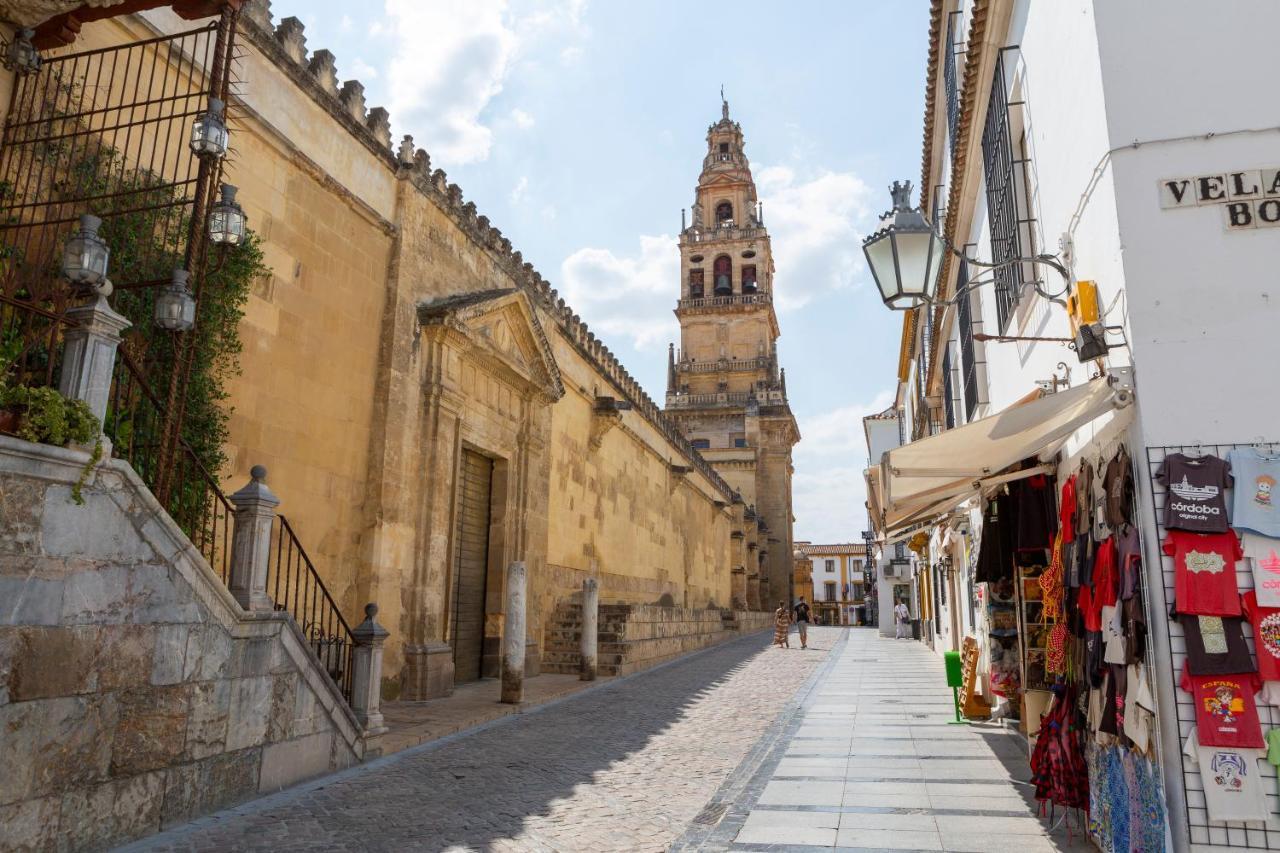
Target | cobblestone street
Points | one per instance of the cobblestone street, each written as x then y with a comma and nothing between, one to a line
624,767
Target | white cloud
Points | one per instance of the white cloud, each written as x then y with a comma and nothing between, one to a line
449,60
362,70
570,55
519,190
626,296
521,119
815,226
829,491
345,24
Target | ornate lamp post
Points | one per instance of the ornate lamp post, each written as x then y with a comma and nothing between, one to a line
85,256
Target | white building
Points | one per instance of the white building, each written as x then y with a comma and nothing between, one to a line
838,580
1138,143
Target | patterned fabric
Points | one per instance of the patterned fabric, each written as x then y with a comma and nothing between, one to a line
1058,768
1051,583
781,622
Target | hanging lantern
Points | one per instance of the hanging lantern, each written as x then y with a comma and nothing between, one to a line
175,306
905,255
226,219
209,135
85,256
21,56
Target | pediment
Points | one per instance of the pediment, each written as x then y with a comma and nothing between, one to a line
501,328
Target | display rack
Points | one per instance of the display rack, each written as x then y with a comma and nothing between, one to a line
1234,834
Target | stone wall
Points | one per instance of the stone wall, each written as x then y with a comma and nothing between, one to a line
134,692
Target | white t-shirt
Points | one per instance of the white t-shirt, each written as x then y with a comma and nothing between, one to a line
1112,635
1233,788
900,611
1139,709
1264,555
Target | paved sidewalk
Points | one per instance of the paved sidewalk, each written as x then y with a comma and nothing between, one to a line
623,767
870,763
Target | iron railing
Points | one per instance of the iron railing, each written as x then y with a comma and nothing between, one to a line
948,387
296,589
718,301
949,79
763,362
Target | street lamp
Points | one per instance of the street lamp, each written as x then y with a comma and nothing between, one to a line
905,255
209,135
175,309
85,256
21,56
226,219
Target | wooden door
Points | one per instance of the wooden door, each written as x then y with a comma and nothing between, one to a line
471,565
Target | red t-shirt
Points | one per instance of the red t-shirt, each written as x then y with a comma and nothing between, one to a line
1067,509
1103,592
1266,635
1225,712
1204,572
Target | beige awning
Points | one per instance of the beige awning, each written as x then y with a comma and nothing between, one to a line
927,478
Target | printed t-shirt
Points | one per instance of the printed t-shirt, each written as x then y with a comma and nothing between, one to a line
1253,506
1225,712
1204,572
1233,788
1140,709
1197,496
1264,553
1128,559
1266,636
1215,645
1113,636
1102,592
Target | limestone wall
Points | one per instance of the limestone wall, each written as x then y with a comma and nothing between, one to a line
134,693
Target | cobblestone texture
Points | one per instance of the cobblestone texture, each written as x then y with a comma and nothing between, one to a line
625,767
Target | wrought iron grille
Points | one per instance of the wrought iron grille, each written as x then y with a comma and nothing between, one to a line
1002,198
949,79
968,356
948,388
104,132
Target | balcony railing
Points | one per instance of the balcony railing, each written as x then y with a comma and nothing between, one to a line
708,233
725,364
728,398
718,301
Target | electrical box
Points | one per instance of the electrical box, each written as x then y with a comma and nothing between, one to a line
1082,304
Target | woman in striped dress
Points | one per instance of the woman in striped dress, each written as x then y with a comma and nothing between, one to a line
781,622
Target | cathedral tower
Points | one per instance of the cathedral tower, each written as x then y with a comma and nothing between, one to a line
725,389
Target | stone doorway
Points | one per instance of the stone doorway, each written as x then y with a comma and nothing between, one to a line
471,565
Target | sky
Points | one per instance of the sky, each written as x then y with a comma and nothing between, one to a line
578,127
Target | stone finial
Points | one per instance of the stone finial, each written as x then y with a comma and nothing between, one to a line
469,211
517,259
352,98
440,181
255,510
454,192
379,122
89,354
259,11
505,246
324,72
404,154
482,223
291,36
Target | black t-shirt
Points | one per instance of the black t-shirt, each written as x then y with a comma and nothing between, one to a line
802,612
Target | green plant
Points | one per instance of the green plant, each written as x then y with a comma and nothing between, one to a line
50,418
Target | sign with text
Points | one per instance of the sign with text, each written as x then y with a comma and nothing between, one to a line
1249,198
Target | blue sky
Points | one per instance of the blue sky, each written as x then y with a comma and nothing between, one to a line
578,127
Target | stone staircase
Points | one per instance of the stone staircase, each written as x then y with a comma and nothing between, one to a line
633,637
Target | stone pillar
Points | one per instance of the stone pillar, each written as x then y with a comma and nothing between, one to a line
513,632
753,592
366,671
251,543
590,628
738,588
89,355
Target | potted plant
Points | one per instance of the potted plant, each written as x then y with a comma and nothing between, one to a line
50,418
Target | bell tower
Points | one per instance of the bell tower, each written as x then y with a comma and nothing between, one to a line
725,388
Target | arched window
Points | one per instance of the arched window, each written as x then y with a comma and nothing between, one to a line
723,276
724,213
695,284
749,279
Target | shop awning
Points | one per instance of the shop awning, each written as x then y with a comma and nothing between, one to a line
927,478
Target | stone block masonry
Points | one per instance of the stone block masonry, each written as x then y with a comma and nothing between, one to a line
134,692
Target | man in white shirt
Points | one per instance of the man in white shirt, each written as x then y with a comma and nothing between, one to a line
902,619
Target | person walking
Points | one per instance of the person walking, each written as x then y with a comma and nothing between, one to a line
802,622
901,618
781,624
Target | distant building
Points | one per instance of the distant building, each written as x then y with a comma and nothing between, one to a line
836,574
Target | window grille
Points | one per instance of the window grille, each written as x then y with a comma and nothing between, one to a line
1003,203
948,389
968,359
949,79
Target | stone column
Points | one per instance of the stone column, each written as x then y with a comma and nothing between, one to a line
590,628
753,592
513,632
251,543
89,355
738,589
366,671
